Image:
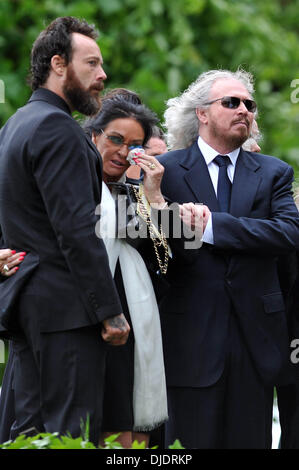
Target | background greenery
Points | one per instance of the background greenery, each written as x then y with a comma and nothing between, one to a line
158,47
54,441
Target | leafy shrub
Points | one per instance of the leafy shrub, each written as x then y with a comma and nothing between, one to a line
54,441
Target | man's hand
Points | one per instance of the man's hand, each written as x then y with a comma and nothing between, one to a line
195,216
115,330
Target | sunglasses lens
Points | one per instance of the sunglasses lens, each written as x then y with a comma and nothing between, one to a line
250,105
230,102
115,139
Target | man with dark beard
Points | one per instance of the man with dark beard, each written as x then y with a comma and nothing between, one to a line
62,306
223,319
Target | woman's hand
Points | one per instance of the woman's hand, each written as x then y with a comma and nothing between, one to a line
153,173
9,261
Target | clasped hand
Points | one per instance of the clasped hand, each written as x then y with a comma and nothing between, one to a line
195,216
115,330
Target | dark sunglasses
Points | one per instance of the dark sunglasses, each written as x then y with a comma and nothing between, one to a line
232,102
119,140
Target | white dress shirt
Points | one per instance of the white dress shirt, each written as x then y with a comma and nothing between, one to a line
209,154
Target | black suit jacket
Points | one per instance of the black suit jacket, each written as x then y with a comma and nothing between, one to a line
237,275
50,185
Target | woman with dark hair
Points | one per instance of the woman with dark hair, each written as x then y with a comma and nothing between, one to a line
135,392
128,95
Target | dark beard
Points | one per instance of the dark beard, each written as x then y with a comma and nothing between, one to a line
80,98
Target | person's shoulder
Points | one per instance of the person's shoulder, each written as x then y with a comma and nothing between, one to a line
268,161
43,107
35,115
55,122
42,111
172,157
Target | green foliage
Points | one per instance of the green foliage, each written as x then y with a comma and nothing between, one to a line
54,441
2,365
176,445
85,427
112,443
158,48
47,441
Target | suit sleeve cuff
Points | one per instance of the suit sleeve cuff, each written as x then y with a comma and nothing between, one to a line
208,235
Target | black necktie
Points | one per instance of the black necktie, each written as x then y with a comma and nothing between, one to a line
224,186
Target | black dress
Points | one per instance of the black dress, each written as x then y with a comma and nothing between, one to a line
119,378
7,407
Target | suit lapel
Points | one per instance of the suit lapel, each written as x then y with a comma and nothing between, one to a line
245,184
198,178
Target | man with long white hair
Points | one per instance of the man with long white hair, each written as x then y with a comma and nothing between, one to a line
224,324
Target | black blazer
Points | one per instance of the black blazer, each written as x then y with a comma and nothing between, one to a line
238,274
50,185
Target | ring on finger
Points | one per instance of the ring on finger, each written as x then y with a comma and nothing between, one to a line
5,268
152,166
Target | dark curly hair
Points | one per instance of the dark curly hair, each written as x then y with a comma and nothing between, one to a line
55,39
121,106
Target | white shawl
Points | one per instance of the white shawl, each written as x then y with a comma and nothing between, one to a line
149,394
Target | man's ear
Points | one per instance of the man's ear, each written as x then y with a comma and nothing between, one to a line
94,138
58,65
201,114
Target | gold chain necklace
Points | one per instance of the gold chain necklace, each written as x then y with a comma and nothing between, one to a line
158,238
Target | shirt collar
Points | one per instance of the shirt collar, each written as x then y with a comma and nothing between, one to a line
209,153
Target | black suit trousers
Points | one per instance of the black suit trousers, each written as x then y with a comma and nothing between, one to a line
58,377
7,408
233,413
